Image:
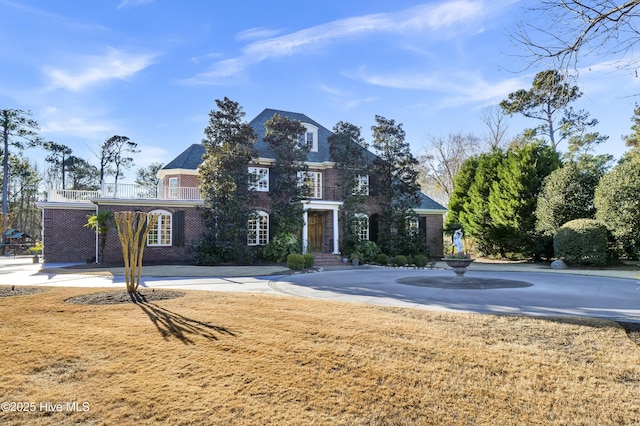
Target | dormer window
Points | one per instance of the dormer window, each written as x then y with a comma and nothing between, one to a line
310,137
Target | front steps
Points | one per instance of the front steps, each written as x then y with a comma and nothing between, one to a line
327,259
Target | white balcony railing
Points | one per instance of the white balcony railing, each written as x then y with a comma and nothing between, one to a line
126,192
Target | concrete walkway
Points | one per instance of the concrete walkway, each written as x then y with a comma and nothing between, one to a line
613,294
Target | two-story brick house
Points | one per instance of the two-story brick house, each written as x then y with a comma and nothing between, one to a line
177,199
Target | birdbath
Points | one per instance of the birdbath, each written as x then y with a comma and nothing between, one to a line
459,266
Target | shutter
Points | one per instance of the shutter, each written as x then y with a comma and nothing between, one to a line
177,228
422,229
374,185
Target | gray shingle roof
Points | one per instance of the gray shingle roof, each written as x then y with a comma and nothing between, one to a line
427,203
263,149
191,158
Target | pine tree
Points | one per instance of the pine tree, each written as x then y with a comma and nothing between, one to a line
224,177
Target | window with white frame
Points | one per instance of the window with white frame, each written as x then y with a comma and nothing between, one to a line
258,227
160,233
413,226
173,188
309,138
313,181
361,227
361,185
259,179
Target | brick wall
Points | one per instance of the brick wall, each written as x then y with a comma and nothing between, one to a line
65,237
193,229
435,228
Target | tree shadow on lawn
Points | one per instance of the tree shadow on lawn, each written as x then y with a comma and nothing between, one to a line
173,324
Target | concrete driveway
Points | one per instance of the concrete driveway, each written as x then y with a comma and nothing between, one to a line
585,293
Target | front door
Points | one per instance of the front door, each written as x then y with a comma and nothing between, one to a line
315,231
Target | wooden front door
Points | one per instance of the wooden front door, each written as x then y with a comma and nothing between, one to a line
315,231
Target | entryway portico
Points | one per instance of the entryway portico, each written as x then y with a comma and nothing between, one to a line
314,225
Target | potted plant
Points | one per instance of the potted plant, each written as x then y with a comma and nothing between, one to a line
355,259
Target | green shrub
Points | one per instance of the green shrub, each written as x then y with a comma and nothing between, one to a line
582,242
281,246
309,261
382,259
409,260
420,260
368,251
295,262
400,260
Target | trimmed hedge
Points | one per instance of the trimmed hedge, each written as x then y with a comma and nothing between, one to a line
400,260
420,260
582,242
295,262
382,259
309,261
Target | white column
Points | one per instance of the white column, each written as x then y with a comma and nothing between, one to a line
335,231
305,233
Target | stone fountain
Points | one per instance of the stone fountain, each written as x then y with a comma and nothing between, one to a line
458,262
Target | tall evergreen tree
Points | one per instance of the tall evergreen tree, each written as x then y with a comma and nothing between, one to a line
475,216
548,101
512,201
58,158
461,183
396,169
633,140
617,201
283,136
348,150
18,130
224,183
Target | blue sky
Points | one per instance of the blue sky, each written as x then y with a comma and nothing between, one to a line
151,69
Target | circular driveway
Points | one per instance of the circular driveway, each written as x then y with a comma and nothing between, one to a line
551,294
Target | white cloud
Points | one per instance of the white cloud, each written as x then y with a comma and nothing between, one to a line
427,17
459,87
91,70
127,3
257,33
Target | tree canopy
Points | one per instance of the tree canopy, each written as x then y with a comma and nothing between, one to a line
224,184
18,130
398,189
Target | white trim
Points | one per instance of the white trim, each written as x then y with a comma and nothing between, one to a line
162,173
430,211
321,205
45,205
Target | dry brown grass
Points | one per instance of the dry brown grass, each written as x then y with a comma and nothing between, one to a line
216,358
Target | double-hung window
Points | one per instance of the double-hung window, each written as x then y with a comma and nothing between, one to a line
160,233
313,182
259,179
309,138
361,185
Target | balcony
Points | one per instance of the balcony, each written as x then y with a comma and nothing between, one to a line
125,192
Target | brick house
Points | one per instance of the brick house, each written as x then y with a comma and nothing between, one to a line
177,199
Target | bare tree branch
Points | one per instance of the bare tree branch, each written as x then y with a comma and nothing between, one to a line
576,29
